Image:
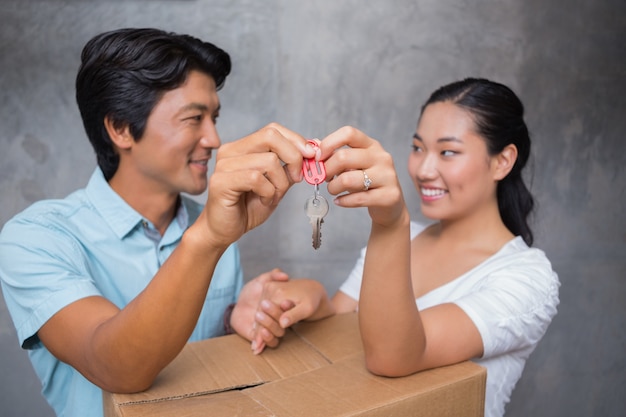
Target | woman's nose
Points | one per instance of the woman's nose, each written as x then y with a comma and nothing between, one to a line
427,167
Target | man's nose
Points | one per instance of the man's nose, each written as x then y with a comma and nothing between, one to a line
210,137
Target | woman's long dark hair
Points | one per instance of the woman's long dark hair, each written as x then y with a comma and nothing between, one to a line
499,117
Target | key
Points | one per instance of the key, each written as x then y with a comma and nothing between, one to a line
316,207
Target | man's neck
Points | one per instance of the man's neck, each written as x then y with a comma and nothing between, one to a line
159,208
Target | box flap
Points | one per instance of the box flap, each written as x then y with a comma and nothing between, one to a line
348,389
337,338
223,404
225,363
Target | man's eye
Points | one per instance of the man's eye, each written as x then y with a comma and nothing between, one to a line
193,119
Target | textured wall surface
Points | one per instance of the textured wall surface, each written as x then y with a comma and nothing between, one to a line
315,66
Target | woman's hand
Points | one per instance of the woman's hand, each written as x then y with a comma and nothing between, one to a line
244,316
362,174
271,303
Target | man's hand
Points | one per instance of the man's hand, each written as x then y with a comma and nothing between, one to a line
251,176
248,310
271,303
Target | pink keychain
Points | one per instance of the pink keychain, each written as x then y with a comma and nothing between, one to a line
314,171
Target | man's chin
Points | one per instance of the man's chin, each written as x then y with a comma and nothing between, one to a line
196,190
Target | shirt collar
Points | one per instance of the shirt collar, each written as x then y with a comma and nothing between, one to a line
121,217
182,216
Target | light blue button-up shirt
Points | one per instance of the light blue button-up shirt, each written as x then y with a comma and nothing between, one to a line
93,243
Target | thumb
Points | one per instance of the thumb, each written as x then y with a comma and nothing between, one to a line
298,313
277,274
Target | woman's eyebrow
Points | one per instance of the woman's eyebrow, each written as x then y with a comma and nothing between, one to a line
444,139
449,139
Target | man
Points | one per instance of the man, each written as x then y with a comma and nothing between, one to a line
107,285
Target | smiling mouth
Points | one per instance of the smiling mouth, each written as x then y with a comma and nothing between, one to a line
432,192
203,160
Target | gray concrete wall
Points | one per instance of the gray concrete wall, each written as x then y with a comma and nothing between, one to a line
315,66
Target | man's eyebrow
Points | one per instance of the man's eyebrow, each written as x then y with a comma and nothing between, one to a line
199,107
193,106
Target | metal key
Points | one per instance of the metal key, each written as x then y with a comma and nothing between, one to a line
316,207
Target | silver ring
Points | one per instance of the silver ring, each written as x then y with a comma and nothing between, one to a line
366,181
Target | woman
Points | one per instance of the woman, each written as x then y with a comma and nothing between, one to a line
467,286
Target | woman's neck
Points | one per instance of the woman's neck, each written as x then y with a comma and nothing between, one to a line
484,229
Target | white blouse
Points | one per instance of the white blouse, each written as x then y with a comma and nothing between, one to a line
511,297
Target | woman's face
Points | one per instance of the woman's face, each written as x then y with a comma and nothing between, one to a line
450,166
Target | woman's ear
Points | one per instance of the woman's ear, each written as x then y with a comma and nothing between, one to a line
504,161
120,135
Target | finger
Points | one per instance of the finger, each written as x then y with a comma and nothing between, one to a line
348,159
264,140
267,164
226,188
345,136
287,305
269,339
384,191
237,202
278,275
288,145
272,310
275,274
265,321
258,345
298,140
256,339
298,313
263,339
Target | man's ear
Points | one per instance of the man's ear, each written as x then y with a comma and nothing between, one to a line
120,135
504,161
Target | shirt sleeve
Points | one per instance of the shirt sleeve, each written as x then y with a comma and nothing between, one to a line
514,304
41,271
352,285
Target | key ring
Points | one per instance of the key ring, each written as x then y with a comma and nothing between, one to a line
314,172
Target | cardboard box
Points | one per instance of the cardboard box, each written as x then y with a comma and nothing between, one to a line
318,370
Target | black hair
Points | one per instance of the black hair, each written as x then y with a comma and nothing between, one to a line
499,117
125,72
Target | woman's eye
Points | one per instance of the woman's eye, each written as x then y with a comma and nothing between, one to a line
416,148
448,153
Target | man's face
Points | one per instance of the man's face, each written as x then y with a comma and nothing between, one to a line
173,154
